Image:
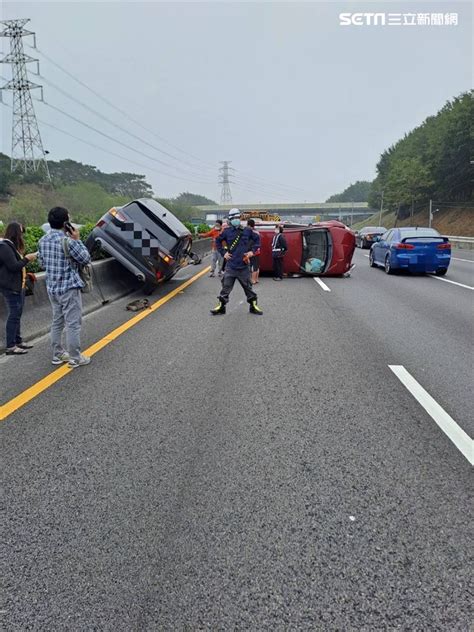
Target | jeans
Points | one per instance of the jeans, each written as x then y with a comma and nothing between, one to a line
67,314
243,277
15,302
216,262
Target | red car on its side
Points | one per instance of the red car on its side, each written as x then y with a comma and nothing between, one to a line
322,249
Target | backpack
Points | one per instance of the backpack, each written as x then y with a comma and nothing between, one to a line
84,269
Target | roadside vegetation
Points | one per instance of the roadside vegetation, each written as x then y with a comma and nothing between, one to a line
457,221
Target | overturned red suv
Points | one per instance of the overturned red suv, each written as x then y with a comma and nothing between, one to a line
322,249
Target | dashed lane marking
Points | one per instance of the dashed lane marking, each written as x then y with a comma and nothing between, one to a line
468,287
322,284
451,429
33,391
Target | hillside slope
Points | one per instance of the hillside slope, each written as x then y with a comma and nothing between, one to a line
450,221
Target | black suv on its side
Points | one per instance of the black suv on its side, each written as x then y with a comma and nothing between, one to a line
145,238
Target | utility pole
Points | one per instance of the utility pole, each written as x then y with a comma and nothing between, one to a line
352,213
381,207
226,195
431,213
28,154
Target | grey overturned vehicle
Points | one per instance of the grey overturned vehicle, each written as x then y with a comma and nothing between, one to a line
146,238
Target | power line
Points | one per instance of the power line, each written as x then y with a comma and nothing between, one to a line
115,107
111,138
125,131
244,177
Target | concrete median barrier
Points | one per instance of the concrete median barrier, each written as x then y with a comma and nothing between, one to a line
202,247
111,281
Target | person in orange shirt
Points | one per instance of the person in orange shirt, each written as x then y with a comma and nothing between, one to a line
216,258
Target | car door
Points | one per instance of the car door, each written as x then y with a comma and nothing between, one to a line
380,247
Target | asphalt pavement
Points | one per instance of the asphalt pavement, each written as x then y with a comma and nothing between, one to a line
248,473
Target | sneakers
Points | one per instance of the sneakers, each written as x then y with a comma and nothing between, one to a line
61,358
83,360
218,309
255,309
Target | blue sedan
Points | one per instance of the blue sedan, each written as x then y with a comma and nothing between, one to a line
413,249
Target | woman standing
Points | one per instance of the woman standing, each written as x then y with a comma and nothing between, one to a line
255,260
13,262
279,248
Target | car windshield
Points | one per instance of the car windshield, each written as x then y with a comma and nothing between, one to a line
410,233
373,229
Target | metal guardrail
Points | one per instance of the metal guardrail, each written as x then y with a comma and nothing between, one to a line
467,240
461,242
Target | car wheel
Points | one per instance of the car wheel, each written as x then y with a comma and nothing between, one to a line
388,266
371,259
148,288
441,271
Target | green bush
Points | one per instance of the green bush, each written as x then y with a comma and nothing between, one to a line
190,227
203,228
32,235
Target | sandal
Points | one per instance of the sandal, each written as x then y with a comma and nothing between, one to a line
16,351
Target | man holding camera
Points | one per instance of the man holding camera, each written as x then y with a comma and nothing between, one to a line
64,284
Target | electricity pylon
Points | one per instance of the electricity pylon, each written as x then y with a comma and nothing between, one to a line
28,154
226,195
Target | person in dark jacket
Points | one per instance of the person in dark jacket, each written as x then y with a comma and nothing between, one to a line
255,260
240,245
279,249
13,262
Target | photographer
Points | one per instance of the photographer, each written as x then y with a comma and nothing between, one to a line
64,284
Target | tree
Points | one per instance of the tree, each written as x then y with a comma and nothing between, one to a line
192,199
357,192
409,182
431,161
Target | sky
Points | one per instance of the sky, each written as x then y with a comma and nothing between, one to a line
301,105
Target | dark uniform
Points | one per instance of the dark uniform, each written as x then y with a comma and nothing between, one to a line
238,242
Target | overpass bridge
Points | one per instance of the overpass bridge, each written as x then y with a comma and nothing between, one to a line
299,210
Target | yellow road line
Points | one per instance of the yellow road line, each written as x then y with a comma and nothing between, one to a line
33,391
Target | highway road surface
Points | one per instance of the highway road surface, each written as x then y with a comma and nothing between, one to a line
304,470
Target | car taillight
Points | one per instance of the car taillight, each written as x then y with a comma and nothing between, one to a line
445,246
166,258
403,246
118,215
100,223
159,274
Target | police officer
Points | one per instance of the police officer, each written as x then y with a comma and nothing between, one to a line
240,244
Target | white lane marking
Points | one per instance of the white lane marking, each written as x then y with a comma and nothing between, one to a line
322,284
368,256
458,259
468,287
447,424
